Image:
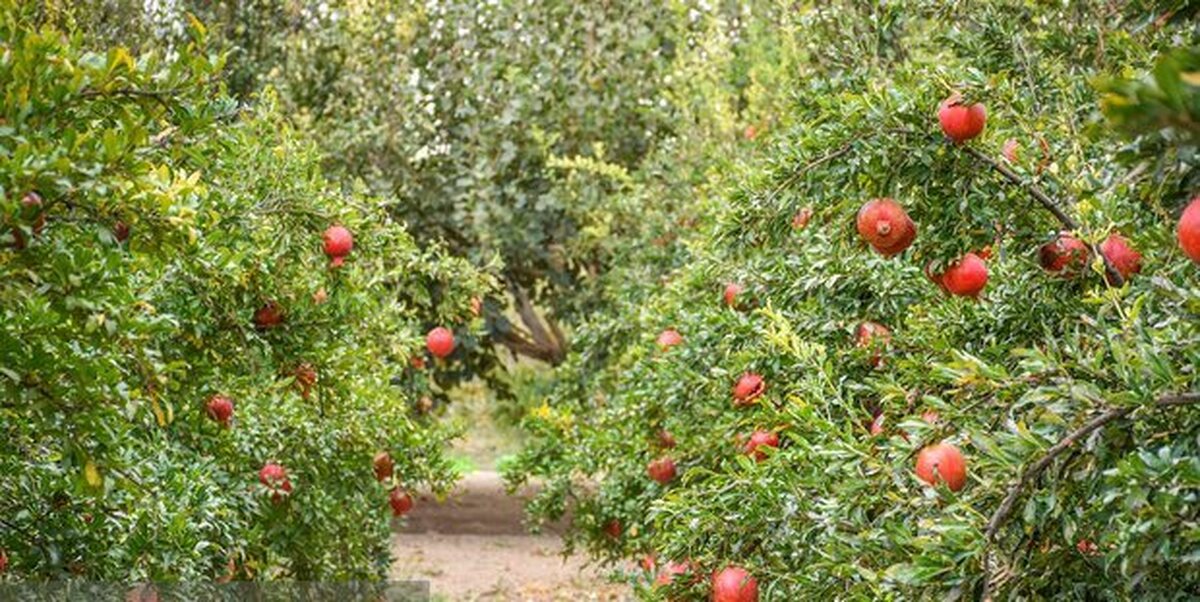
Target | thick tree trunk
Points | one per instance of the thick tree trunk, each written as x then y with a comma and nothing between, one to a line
541,339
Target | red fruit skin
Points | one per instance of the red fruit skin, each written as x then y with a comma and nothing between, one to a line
802,217
943,462
930,416
613,528
670,571
748,388
961,122
268,316
734,584
440,342
1189,230
1064,256
1121,255
885,226
732,290
661,471
3,562
383,465
759,440
1010,150
875,336
669,338
876,426
220,409
338,244
400,501
966,277
121,231
276,479
666,439
1087,547
750,133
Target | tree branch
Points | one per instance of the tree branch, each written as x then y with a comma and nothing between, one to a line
1005,510
1040,196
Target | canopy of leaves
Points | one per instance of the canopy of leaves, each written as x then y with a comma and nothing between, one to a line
1068,397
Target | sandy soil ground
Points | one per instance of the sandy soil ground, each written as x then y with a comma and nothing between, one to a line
473,546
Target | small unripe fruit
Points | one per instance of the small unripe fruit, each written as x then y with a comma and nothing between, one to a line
732,290
942,462
320,296
1121,255
662,470
750,133
873,336
400,501
1189,230
220,409
384,466
876,425
961,122
338,244
669,338
885,226
966,277
748,388
440,342
613,528
1065,256
268,316
417,362
1087,547
275,478
759,441
734,584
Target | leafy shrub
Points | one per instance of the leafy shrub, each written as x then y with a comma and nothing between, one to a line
170,215
1070,398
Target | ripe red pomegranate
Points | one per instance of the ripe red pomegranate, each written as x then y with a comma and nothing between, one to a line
960,121
732,290
384,466
613,528
338,244
748,388
1121,255
665,439
759,440
440,342
661,470
400,501
121,231
1065,256
802,217
220,408
966,277
669,338
942,461
1189,230
275,478
734,584
1010,150
3,562
885,226
268,316
873,336
670,571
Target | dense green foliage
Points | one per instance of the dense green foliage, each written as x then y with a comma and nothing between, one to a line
169,215
837,512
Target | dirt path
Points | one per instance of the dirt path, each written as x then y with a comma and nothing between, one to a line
473,546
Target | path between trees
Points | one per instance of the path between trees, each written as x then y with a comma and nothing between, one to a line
473,546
